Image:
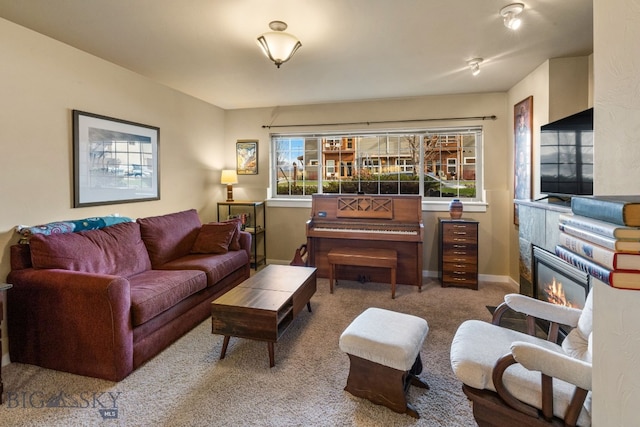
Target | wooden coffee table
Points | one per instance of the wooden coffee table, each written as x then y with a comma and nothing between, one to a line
263,306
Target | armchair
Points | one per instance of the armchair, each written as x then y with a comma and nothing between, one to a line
514,378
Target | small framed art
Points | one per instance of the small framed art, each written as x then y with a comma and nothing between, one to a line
247,157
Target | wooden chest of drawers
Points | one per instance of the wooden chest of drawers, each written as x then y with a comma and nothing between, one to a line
458,252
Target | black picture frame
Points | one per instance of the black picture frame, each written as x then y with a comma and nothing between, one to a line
114,160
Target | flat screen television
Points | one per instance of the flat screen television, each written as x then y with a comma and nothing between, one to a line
566,156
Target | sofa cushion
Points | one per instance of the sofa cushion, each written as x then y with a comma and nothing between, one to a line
217,267
116,250
214,238
155,291
170,236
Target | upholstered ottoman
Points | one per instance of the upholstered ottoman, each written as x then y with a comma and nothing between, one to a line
384,354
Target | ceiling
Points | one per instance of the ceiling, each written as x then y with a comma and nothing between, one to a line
351,49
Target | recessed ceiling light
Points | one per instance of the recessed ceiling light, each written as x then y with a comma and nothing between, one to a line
510,15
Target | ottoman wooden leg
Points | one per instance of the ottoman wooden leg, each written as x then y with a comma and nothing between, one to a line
380,384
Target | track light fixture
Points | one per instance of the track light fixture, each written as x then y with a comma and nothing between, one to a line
277,45
474,65
510,15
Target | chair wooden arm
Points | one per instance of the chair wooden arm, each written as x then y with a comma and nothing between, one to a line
573,410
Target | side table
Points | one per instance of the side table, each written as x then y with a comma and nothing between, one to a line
3,287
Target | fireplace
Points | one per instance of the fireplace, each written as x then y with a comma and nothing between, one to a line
557,281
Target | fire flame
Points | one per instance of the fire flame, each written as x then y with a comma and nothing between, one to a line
555,294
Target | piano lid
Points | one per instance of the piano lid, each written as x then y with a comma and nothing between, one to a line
366,207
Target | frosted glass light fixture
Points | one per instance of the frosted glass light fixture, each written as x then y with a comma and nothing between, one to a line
511,15
277,45
229,177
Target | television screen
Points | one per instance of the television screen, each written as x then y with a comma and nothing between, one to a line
566,155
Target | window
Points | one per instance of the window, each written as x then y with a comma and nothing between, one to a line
437,164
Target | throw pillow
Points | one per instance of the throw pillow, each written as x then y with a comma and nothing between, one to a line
235,241
214,238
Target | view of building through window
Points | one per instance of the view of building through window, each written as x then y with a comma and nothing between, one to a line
434,164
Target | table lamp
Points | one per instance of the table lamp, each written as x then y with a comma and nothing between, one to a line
229,177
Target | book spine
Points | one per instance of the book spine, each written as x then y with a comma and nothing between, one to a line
595,253
589,224
603,210
597,239
585,265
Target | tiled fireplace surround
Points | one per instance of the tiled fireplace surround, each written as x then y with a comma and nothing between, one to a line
539,228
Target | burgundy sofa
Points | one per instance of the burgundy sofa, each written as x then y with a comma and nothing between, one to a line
101,303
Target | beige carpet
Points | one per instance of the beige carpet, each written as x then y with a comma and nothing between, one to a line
187,385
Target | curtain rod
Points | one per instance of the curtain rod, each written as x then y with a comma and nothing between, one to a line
383,122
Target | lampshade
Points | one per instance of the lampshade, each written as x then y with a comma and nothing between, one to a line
510,15
229,176
277,45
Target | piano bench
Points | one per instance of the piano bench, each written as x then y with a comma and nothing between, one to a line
363,257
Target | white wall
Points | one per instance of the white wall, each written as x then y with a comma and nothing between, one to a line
41,81
616,358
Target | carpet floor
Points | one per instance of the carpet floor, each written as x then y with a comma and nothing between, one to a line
187,384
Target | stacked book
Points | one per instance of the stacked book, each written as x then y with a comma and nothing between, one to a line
602,238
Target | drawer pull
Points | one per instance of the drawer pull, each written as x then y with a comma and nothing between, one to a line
459,259
462,233
460,265
459,279
459,252
459,240
460,246
462,273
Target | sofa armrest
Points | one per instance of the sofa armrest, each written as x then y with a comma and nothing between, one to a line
245,242
71,321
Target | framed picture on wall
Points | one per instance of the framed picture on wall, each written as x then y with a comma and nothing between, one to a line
114,161
522,126
247,157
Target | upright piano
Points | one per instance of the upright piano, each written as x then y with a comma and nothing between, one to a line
367,221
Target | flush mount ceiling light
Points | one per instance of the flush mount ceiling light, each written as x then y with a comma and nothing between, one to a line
277,45
510,15
474,65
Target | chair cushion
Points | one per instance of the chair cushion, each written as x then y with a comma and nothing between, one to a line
478,345
386,337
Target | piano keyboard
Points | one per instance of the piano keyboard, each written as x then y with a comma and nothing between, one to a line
368,230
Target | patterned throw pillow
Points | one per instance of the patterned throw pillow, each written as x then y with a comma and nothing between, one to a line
214,238
69,226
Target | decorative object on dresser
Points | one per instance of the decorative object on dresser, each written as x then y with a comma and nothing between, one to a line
458,252
263,306
621,210
253,216
3,287
455,209
367,221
